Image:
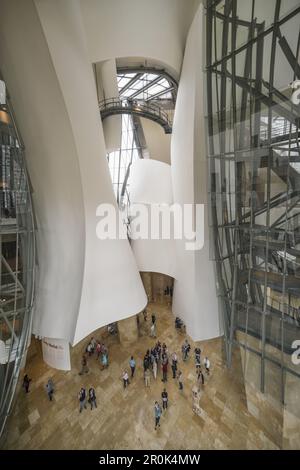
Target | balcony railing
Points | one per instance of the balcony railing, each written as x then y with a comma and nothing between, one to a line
144,109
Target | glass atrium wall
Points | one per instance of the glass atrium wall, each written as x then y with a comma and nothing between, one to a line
17,259
252,55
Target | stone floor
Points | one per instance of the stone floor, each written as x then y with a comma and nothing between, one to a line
124,419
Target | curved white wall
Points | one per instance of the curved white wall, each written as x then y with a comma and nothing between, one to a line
194,297
150,182
55,101
138,28
106,77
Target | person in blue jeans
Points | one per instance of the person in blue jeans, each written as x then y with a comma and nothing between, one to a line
132,366
157,414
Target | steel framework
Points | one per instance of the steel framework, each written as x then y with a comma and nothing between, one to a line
252,55
17,248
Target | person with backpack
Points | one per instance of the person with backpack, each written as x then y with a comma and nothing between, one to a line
157,414
92,398
50,389
164,397
82,399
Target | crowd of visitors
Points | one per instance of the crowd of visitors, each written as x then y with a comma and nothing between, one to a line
156,360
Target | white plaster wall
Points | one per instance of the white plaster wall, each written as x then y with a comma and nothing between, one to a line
109,265
138,28
112,125
158,143
150,182
53,167
194,294
56,107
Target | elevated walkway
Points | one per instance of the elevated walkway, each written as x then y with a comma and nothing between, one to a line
114,106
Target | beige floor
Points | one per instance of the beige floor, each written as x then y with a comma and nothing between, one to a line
124,418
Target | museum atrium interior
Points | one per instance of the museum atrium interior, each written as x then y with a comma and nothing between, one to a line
162,104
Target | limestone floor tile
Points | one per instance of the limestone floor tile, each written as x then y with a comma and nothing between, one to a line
124,419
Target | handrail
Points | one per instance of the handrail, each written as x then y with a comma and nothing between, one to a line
149,110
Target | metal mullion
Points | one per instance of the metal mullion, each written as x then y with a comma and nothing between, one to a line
263,34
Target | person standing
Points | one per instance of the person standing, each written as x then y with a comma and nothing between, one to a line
180,380
164,397
98,349
125,378
200,378
165,370
157,414
207,365
92,398
153,318
84,366
26,383
147,377
50,389
132,366
154,369
82,399
153,330
174,364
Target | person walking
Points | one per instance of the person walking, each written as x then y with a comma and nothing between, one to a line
180,380
132,365
50,389
207,365
125,378
82,399
153,330
104,359
98,350
154,369
84,366
164,397
147,377
185,350
26,383
153,318
200,378
92,398
157,414
197,356
174,359
165,370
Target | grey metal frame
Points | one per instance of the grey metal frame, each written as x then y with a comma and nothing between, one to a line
17,266
253,257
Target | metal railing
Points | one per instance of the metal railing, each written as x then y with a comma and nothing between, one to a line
151,111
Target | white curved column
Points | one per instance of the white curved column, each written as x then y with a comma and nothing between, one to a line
108,88
194,299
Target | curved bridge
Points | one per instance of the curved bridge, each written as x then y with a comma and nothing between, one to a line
113,106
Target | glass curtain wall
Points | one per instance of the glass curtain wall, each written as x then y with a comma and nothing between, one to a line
120,161
252,58
17,250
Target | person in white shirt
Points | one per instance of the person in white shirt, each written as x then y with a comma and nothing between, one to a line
207,365
125,378
154,369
